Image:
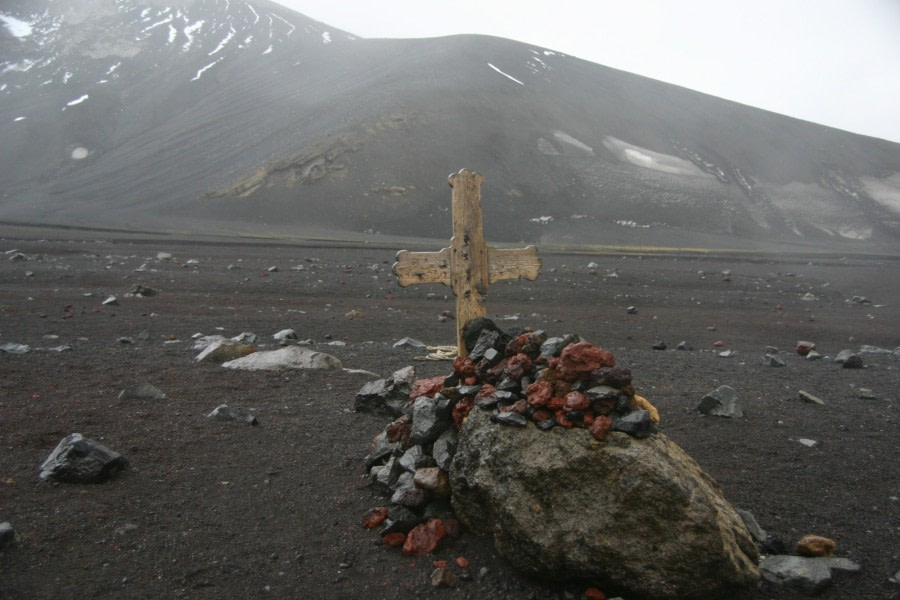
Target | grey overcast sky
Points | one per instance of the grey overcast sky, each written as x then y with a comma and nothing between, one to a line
834,62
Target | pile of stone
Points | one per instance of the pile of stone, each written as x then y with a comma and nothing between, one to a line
554,382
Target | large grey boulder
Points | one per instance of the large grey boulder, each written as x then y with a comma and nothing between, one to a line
292,357
638,516
77,459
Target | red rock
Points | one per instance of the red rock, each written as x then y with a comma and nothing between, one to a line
427,387
424,538
440,564
518,366
375,517
462,410
815,545
520,407
576,401
485,391
541,415
593,593
561,419
394,540
462,562
588,418
539,393
399,430
463,367
803,348
719,344
473,380
600,427
556,403
578,360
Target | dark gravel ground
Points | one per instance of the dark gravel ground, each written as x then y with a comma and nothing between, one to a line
221,510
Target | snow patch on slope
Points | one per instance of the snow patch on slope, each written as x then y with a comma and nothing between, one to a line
648,159
885,192
16,27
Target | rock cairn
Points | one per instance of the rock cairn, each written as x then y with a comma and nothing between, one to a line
562,382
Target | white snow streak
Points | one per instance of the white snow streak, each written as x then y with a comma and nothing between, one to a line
15,26
204,69
255,14
326,37
189,33
77,101
224,42
173,33
157,24
286,23
17,119
113,68
505,74
268,50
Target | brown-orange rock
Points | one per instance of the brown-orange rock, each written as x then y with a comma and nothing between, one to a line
424,539
643,404
444,577
561,419
578,360
462,562
427,387
434,480
804,348
399,430
815,545
600,427
375,517
593,593
394,540
518,366
539,393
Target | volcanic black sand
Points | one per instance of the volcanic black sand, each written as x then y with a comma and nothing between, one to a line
223,510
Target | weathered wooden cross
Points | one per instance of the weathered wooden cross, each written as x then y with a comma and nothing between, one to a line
469,265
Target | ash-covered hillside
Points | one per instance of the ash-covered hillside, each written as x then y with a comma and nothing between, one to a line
243,117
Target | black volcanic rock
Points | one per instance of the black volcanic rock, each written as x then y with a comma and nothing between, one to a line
248,117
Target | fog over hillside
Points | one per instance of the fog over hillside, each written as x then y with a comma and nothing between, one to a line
245,118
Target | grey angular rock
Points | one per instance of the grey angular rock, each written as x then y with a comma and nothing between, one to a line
387,396
380,450
285,335
409,342
12,348
225,413
143,391
223,350
77,459
758,533
771,360
8,536
656,525
807,397
400,520
510,418
636,423
722,402
292,357
802,574
427,421
445,447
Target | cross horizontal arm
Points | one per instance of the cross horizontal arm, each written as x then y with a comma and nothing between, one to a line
422,267
513,263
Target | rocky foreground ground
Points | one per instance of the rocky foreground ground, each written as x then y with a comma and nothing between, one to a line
212,509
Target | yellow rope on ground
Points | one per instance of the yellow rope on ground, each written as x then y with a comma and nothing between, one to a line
439,353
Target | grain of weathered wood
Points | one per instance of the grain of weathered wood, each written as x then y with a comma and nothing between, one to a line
469,265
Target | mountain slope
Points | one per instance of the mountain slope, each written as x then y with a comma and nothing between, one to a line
242,116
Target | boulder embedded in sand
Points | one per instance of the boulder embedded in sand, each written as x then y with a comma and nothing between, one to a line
291,357
638,515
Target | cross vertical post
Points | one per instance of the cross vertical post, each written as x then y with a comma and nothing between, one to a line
469,265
